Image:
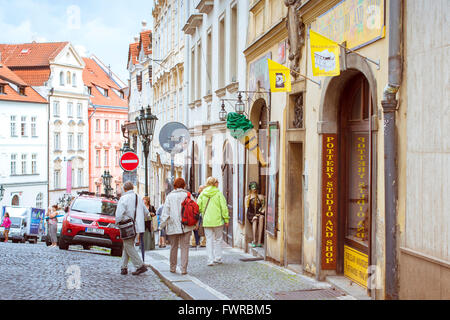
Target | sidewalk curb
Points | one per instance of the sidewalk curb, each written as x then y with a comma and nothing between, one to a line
182,285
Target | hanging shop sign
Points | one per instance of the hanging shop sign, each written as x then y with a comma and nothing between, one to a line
356,265
358,22
329,201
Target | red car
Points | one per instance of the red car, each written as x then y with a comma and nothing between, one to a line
90,220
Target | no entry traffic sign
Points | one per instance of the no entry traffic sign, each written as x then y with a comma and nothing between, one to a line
129,161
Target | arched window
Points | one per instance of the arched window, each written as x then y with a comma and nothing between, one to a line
69,79
39,200
74,79
61,78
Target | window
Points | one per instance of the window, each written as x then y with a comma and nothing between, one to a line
24,164
106,92
199,72
233,44
70,109
57,140
56,109
117,157
61,78
74,80
39,200
70,141
33,127
139,81
97,125
34,163
69,79
117,126
97,158
2,89
106,126
89,89
106,158
79,111
22,91
56,179
23,126
13,126
13,164
80,141
80,177
221,52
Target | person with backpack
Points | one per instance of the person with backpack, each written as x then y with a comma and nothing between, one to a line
214,210
179,217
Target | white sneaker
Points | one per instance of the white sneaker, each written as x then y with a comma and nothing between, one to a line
219,261
211,264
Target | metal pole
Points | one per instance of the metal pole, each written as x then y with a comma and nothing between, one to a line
172,167
146,166
389,105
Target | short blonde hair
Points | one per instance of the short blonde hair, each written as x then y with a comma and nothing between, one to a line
211,181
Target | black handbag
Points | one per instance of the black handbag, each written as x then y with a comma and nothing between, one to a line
127,227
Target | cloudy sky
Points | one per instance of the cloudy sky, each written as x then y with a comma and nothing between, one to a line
101,27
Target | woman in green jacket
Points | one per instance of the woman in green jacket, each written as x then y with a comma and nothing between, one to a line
214,209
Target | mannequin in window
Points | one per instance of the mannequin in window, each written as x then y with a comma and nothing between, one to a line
255,207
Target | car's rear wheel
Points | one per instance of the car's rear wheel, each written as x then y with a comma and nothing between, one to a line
63,245
116,251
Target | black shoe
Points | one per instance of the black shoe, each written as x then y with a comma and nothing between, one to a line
124,271
139,270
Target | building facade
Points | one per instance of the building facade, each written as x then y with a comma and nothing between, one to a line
23,142
168,89
214,74
55,71
108,111
140,96
358,150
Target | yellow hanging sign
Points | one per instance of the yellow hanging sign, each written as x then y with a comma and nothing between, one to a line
280,77
324,56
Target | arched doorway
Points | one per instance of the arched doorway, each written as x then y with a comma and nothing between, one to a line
348,201
227,178
259,116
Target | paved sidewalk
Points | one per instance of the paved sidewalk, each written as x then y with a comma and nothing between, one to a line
235,279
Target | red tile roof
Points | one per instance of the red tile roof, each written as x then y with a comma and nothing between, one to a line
133,53
94,75
34,76
30,54
7,74
10,94
145,42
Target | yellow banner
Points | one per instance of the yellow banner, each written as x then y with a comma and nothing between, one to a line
280,77
324,56
358,22
356,266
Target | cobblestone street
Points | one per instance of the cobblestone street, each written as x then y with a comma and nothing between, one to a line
35,271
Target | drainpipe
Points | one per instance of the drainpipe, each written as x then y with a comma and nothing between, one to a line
389,104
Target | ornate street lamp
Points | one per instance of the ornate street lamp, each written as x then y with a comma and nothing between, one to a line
145,123
107,182
240,106
2,192
223,113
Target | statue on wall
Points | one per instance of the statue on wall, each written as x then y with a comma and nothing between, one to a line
298,110
296,38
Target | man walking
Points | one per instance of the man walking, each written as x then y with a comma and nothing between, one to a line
131,206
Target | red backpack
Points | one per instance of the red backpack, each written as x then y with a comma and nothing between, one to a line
190,214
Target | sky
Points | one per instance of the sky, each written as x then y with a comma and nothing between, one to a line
101,27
